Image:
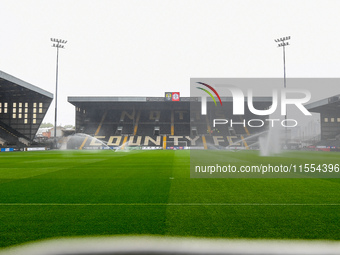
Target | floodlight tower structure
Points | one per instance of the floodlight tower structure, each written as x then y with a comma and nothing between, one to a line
283,42
59,44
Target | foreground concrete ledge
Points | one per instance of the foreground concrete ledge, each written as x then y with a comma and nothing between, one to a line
171,245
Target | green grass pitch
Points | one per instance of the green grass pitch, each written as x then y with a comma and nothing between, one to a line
85,193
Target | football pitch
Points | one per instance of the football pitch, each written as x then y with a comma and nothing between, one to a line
94,193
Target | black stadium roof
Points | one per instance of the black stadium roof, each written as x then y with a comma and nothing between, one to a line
325,105
131,99
10,85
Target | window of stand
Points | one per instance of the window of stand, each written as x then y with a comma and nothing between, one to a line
34,121
40,107
14,111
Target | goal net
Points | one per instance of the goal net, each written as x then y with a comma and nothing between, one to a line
180,145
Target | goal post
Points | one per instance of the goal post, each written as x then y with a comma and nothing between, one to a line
180,145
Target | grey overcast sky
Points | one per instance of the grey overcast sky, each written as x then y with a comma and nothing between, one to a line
147,47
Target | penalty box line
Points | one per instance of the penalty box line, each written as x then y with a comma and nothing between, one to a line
164,204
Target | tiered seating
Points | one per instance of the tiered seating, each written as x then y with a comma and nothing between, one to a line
181,121
146,124
2,142
239,129
112,116
127,129
157,141
202,129
107,128
145,129
165,116
7,138
182,129
24,141
90,128
165,129
10,137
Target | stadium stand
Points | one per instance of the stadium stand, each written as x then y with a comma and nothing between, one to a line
2,142
328,109
329,116
152,121
22,109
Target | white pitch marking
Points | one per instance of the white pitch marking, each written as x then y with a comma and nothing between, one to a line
158,204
